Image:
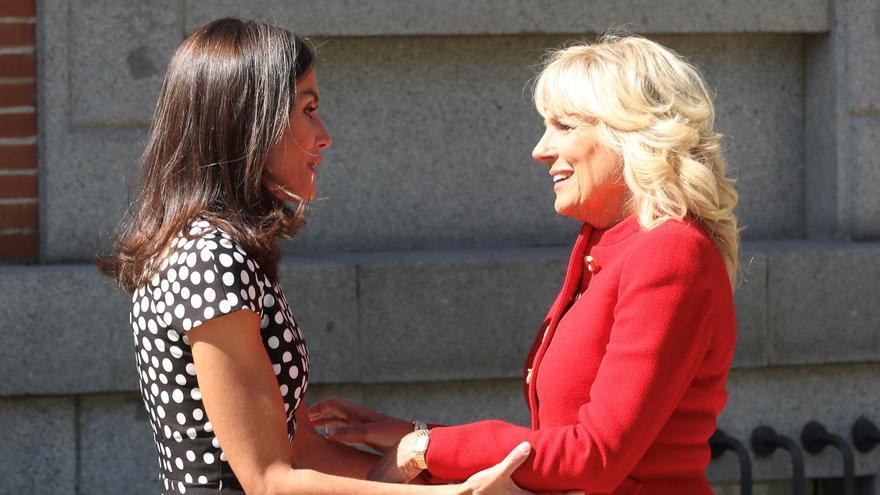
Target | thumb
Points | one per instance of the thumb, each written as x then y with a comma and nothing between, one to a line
350,435
515,458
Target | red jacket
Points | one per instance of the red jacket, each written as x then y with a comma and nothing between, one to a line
626,382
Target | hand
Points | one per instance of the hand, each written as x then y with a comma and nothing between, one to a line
497,480
356,424
398,465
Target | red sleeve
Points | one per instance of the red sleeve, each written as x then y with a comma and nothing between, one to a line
661,331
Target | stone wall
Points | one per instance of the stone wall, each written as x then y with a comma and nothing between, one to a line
435,234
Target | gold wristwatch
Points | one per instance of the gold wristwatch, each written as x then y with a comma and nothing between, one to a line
420,447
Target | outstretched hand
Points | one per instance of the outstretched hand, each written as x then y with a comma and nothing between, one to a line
356,424
497,480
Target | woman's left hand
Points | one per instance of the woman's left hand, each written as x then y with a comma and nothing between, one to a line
356,424
398,464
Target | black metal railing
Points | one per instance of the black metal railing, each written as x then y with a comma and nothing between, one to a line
814,439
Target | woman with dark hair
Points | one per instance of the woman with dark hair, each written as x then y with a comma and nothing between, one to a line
230,162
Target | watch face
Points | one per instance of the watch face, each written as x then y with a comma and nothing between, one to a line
421,443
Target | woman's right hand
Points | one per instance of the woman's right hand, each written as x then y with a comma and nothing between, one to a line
356,424
497,480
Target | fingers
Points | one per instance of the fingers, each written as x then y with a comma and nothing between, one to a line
349,435
514,459
327,409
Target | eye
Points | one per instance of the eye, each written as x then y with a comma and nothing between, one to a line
562,126
310,109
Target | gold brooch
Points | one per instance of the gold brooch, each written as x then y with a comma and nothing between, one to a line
592,264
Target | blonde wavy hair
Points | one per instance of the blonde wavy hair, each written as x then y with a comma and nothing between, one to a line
653,109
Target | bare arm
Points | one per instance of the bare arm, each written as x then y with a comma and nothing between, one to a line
241,399
312,451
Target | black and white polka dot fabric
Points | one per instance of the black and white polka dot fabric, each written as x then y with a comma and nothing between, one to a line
205,275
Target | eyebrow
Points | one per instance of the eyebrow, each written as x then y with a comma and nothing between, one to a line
310,92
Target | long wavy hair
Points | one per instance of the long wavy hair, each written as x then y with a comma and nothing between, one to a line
652,108
225,101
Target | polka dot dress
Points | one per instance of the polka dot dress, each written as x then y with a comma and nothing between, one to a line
205,275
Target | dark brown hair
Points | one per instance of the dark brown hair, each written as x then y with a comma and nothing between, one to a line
226,99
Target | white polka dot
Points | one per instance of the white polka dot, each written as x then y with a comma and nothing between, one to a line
232,298
297,392
279,318
203,480
136,310
191,260
196,394
209,312
208,458
198,414
195,278
264,322
181,487
175,351
205,255
154,361
191,433
252,292
196,301
225,259
209,427
181,418
167,318
179,311
244,277
208,277
173,336
164,285
163,379
160,411
268,300
172,275
190,455
276,368
164,397
183,273
180,380
223,457
166,365
284,389
224,306
294,372
237,255
187,324
146,343
154,389
228,278
191,369
287,357
188,477
273,342
215,442
179,463
167,431
225,242
177,395
288,335
175,287
184,293
142,323
173,258
210,295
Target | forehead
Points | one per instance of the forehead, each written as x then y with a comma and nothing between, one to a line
307,84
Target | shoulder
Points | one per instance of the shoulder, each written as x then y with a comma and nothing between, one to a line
679,248
206,273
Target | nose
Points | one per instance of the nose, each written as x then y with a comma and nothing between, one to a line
543,152
323,138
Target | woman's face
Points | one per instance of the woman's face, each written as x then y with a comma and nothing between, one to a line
587,176
290,171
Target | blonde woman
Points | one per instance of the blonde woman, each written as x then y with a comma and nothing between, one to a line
627,374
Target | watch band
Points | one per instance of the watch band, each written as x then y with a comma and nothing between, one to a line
419,425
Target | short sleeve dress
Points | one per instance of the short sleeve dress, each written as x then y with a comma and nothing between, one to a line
205,274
